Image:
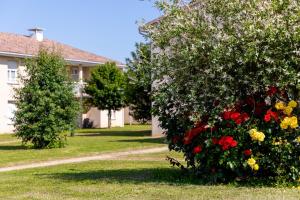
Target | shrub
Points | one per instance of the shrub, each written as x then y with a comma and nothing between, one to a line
46,105
213,62
259,137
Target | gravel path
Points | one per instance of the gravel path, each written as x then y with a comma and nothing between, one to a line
104,156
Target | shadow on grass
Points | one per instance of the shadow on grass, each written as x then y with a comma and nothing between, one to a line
145,140
170,176
135,176
98,132
12,147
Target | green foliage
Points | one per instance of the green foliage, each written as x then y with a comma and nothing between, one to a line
208,56
106,88
138,89
46,105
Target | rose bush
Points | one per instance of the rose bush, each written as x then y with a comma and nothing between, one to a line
256,137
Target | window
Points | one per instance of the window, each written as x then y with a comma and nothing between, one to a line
74,74
11,109
12,72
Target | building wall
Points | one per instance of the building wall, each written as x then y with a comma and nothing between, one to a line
7,93
7,101
99,118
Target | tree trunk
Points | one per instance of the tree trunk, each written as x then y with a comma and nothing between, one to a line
109,118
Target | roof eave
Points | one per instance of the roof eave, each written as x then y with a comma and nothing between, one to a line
70,61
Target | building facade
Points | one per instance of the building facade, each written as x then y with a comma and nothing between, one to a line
15,48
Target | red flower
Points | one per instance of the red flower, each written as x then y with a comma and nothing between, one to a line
215,140
267,117
247,152
239,118
234,116
271,115
227,115
197,149
189,135
272,90
245,117
227,142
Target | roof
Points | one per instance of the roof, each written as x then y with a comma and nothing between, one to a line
24,46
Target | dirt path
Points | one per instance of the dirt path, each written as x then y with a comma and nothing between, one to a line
8,142
104,156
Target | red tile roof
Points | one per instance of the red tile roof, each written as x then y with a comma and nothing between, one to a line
20,44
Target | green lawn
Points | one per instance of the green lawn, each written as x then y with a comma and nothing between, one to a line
86,142
134,179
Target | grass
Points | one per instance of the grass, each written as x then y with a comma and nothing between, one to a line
135,177
86,142
138,179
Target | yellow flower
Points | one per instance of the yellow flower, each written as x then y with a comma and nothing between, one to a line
289,121
256,167
298,140
288,110
293,122
256,135
298,187
285,123
280,105
293,104
251,162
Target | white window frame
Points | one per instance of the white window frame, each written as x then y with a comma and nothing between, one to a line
12,68
75,73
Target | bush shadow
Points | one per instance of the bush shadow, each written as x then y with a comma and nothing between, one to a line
170,176
12,147
134,176
96,133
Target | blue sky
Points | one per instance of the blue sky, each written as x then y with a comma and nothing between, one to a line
104,27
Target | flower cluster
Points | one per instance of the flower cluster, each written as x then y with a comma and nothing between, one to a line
286,109
227,142
256,135
252,163
289,122
270,115
230,146
237,117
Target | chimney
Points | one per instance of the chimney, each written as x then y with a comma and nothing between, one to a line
37,33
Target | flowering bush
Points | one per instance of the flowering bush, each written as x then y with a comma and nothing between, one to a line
227,85
259,136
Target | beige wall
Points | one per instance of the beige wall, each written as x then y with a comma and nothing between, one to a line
100,118
7,93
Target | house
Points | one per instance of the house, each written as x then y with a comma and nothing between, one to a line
15,48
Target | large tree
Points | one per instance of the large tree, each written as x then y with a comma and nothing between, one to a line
46,105
139,83
106,88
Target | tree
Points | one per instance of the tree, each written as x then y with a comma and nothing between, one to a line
106,88
139,83
46,105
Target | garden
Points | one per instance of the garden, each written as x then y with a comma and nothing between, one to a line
222,77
